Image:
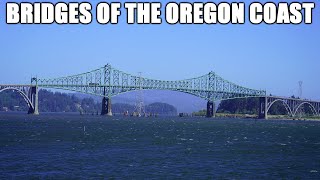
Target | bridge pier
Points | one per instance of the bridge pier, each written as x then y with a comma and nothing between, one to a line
263,105
106,106
33,95
211,109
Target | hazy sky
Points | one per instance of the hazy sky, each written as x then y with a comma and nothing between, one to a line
271,57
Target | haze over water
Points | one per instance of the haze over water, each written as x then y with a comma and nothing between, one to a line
71,146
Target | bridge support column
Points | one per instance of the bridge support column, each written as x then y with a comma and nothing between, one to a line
211,109
106,106
263,105
34,100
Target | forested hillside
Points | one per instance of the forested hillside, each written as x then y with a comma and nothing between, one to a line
62,102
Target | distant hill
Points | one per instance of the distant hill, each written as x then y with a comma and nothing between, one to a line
183,102
154,108
62,102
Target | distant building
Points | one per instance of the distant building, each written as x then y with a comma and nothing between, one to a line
5,109
183,114
16,108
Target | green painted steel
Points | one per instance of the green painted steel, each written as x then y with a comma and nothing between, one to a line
107,82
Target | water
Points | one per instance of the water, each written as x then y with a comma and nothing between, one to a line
71,146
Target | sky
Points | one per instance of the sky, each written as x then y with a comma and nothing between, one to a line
271,57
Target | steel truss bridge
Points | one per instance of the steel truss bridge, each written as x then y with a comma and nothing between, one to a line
107,82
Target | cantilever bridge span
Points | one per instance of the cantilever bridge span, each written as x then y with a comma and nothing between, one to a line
108,82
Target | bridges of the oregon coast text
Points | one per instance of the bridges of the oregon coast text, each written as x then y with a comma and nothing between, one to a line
108,82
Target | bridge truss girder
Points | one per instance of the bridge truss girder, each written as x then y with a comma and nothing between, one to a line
108,82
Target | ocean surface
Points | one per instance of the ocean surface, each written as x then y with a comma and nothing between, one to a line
94,147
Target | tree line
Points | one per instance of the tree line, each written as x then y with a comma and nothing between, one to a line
251,106
62,102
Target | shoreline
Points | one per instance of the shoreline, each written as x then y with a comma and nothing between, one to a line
270,117
218,116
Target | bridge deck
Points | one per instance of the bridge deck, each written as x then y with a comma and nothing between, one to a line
295,99
17,85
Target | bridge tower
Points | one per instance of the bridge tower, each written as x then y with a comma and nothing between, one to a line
106,100
263,105
211,109
106,105
33,96
211,106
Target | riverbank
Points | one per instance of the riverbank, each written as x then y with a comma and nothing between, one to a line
272,117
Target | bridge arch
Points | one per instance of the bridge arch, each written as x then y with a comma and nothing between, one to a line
314,111
286,105
25,96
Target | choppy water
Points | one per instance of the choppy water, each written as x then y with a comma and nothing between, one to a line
56,146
